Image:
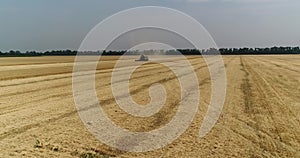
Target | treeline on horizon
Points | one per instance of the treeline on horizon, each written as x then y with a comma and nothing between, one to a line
212,51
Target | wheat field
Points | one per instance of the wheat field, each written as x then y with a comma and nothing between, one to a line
260,117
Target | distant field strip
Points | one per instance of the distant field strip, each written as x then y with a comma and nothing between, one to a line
260,115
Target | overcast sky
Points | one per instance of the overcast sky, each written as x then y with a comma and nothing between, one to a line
62,24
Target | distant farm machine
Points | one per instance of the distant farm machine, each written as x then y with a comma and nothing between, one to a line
143,58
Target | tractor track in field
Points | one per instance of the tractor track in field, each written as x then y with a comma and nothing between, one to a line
53,119
103,102
284,85
278,65
25,128
22,106
105,85
279,99
259,118
67,71
99,71
62,85
248,100
247,110
256,85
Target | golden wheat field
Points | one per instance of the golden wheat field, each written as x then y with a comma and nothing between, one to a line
260,117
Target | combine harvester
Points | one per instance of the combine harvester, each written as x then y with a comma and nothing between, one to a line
143,58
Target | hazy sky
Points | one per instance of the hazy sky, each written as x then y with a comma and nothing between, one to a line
62,24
